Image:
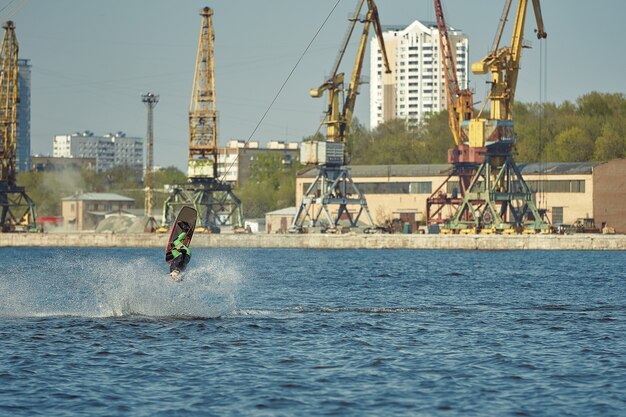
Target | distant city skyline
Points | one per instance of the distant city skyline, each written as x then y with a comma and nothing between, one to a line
91,61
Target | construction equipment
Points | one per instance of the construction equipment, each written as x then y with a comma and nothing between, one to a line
333,185
18,210
150,100
212,198
491,192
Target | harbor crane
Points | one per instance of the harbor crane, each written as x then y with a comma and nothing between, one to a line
333,185
212,198
491,194
17,209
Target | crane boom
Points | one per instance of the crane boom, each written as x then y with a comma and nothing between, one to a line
504,63
353,89
460,101
339,118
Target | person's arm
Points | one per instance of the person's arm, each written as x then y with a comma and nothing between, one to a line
179,240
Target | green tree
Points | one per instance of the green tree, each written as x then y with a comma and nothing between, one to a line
609,145
271,185
168,176
574,145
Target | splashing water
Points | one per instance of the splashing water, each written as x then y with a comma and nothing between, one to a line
108,285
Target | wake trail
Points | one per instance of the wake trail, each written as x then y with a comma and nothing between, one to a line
109,287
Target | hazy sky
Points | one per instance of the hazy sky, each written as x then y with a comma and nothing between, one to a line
92,60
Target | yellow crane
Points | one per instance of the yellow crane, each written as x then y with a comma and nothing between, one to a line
503,65
212,197
339,118
460,101
333,185
17,210
491,194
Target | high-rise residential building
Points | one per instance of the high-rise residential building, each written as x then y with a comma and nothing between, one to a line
110,150
416,85
22,157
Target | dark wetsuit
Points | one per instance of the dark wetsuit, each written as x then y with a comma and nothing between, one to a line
180,254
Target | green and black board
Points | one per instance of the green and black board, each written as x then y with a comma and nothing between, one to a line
186,214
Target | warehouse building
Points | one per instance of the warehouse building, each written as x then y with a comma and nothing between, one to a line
568,191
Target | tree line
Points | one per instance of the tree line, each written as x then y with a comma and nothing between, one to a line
593,128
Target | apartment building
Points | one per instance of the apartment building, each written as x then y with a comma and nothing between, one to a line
416,86
110,150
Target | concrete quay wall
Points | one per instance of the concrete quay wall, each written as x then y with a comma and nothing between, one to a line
324,241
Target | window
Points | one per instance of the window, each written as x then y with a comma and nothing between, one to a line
423,187
558,186
557,215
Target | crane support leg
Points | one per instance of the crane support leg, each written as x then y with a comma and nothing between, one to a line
17,210
497,199
216,204
332,201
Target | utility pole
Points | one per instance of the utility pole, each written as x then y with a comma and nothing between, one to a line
151,101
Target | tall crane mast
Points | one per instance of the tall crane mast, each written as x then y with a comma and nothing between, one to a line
8,106
333,185
212,198
17,209
202,110
339,118
494,195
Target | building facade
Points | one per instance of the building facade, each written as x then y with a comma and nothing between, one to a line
416,86
279,221
85,211
110,150
22,157
567,191
234,162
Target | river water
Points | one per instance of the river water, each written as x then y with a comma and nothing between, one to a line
274,332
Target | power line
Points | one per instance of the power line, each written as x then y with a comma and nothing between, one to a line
285,82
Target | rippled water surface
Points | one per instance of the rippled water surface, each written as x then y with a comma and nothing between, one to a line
312,332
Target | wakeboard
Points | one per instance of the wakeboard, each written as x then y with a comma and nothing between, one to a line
186,219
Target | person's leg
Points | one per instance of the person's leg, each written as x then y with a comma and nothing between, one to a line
184,260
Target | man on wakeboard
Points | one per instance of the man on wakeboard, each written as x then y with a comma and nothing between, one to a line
180,253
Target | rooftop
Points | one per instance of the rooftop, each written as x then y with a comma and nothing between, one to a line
287,211
429,170
97,197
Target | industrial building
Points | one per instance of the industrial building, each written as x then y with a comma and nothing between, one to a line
110,150
567,191
85,211
279,221
235,160
416,86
